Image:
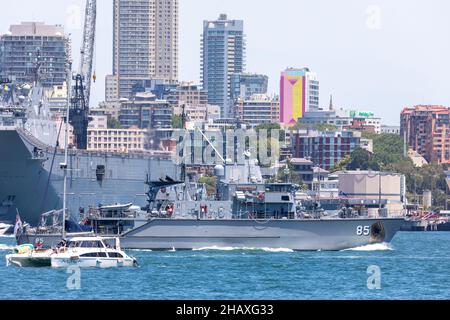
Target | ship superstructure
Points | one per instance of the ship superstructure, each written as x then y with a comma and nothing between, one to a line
31,180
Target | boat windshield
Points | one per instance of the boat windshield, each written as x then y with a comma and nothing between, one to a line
73,244
86,244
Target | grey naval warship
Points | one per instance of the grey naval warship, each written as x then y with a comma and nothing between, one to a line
245,213
31,180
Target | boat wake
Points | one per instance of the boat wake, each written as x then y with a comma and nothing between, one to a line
243,249
4,247
372,247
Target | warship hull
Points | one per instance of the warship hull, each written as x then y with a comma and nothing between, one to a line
31,180
301,235
297,235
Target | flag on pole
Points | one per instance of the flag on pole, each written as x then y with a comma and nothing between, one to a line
18,226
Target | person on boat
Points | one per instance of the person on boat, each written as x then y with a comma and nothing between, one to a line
39,245
62,244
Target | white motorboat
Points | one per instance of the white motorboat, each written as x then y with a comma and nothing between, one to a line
91,252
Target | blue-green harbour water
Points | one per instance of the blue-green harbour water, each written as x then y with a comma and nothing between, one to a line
413,266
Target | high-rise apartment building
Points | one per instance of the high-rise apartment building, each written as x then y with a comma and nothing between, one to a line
146,112
223,54
244,85
188,94
299,93
258,109
33,44
145,42
427,131
324,148
111,88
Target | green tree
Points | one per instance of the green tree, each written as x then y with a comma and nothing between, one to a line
363,160
316,126
388,156
113,123
177,122
287,174
211,184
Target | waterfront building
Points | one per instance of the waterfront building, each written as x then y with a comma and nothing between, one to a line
32,44
245,85
222,54
145,42
299,93
343,120
373,186
366,144
57,98
146,112
198,113
390,129
98,122
258,109
188,94
426,129
160,88
324,148
111,88
110,109
304,167
116,140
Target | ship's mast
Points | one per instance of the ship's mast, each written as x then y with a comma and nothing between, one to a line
63,165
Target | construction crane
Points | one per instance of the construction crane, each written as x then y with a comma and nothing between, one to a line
79,109
87,48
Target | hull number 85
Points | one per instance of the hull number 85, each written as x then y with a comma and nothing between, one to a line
362,230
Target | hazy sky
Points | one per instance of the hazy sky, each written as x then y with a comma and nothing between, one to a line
370,54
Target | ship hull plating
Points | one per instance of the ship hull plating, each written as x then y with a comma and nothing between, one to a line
160,234
330,234
32,182
298,235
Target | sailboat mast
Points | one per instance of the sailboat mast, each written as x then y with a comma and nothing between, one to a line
66,145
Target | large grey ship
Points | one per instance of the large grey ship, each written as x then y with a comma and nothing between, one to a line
246,213
31,180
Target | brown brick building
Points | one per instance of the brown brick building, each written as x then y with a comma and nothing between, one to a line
427,131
